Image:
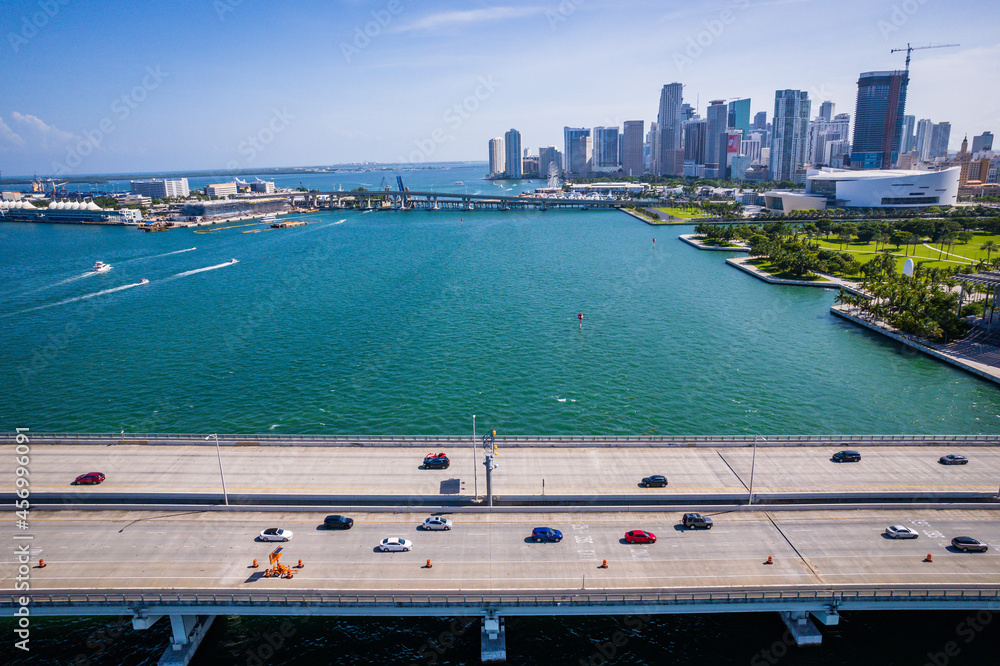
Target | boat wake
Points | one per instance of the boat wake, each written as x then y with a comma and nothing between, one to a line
200,270
80,298
157,256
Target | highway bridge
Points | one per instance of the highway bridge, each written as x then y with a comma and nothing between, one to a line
422,200
191,560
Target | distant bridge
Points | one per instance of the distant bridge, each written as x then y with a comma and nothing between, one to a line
409,200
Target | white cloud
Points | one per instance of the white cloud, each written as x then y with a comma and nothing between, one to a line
470,16
41,133
8,137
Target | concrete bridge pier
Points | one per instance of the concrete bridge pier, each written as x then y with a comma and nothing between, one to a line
188,632
494,639
802,628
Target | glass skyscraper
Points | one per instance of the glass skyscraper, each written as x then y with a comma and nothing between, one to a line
878,119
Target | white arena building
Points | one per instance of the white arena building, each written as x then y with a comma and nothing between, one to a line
890,188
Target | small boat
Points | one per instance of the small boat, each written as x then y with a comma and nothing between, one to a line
234,261
143,281
101,267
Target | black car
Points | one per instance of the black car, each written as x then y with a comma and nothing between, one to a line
965,544
338,523
440,462
953,459
846,456
655,481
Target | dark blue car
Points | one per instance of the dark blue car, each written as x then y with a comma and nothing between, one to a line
540,534
437,463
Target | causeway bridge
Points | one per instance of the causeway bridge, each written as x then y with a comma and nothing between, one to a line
163,539
420,200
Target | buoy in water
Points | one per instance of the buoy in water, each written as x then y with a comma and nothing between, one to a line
580,316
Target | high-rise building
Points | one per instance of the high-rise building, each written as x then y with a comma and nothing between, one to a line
982,142
939,140
878,120
823,131
584,157
652,150
695,133
160,188
788,133
760,120
909,139
669,119
606,146
632,148
751,146
718,121
739,115
922,143
687,111
547,156
512,144
497,157
825,111
571,148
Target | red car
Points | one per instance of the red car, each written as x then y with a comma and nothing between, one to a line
91,478
639,536
432,456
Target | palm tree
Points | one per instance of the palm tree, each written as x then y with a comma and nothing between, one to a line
990,247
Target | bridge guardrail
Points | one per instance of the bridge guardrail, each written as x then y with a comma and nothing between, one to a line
836,597
271,439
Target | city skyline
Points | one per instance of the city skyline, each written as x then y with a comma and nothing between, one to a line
233,85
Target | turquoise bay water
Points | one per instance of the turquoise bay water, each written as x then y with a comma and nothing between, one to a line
409,323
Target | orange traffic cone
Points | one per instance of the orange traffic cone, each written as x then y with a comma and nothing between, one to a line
928,558
604,565
41,564
300,565
770,560
428,565
254,565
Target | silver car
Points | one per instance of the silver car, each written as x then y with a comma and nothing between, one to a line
901,532
395,544
275,534
437,523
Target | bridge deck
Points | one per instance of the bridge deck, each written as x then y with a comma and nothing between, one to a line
492,553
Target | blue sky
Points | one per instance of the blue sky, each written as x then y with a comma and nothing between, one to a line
98,87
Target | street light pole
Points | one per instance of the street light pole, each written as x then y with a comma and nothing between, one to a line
475,466
753,465
225,495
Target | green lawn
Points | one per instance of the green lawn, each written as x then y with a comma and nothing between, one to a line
684,213
938,257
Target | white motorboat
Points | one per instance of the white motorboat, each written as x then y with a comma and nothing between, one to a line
101,267
143,281
234,261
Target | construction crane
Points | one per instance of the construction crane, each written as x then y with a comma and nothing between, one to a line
909,49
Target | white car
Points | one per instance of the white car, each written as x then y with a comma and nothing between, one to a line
275,534
395,544
437,523
901,532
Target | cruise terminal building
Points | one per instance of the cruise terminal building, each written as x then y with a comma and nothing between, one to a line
881,188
